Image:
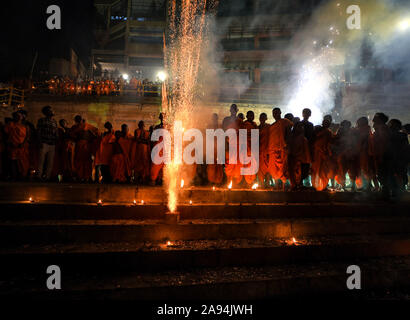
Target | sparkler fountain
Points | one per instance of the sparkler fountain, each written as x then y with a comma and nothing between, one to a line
182,52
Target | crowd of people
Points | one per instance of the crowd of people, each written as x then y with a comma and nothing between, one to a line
66,86
293,153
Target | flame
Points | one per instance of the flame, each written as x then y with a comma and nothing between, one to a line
142,201
182,183
169,243
182,51
135,201
230,185
190,201
99,201
30,199
294,240
255,186
213,188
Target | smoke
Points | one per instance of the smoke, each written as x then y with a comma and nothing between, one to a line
325,48
316,63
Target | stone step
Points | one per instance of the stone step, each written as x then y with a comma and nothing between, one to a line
324,279
83,231
91,193
128,211
100,258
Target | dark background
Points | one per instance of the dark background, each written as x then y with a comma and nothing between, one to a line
24,32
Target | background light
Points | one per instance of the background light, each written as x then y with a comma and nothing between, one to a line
162,76
125,76
404,25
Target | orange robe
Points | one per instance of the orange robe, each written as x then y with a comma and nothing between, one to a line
215,172
263,151
63,157
142,154
322,166
232,170
278,149
119,164
249,126
17,144
127,145
104,152
157,169
299,154
84,136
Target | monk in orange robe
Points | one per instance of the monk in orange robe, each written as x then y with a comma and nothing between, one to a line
104,154
249,125
232,170
16,138
31,146
142,153
85,136
322,166
127,144
119,166
278,148
215,172
299,154
263,147
157,169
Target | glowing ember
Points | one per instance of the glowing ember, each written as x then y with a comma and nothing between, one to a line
255,186
182,183
230,185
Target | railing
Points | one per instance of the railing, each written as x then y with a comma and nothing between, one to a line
11,96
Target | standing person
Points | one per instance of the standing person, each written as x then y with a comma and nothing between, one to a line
249,125
142,153
308,130
16,137
299,154
30,158
84,136
263,150
278,148
156,171
63,160
322,168
232,170
127,143
396,157
2,149
344,153
215,171
378,149
47,136
364,162
104,154
119,164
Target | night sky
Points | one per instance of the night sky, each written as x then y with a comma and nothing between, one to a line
24,33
